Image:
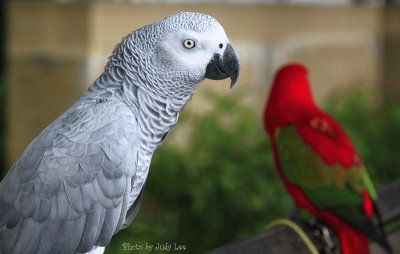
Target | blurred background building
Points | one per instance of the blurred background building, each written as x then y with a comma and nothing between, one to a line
53,50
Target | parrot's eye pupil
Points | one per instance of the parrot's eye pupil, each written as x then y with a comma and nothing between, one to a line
221,45
189,43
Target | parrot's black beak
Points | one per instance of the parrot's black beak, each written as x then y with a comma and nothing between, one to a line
222,67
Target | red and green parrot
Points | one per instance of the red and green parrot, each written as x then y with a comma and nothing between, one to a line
318,164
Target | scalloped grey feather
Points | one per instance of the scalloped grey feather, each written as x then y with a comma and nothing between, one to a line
81,180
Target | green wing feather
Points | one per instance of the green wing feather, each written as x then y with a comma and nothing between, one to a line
329,187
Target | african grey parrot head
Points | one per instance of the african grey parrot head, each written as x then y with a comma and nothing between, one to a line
171,57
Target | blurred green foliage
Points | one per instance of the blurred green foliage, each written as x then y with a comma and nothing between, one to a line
223,187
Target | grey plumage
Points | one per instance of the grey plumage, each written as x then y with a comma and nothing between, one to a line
80,181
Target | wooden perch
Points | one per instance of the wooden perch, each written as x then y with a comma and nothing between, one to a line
282,239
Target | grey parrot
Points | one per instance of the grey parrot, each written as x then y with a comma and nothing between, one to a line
81,180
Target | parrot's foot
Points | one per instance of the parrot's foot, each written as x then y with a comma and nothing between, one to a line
321,234
325,235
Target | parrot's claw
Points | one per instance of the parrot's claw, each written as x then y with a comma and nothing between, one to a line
325,235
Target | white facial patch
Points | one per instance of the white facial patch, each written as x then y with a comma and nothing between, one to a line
175,50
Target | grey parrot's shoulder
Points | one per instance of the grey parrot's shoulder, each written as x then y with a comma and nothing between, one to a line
70,188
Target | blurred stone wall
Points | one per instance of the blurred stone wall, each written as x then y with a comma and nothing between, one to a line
47,49
56,50
391,52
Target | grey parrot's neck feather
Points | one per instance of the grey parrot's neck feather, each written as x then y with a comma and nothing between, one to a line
155,114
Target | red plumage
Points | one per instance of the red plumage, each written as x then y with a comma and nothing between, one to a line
291,103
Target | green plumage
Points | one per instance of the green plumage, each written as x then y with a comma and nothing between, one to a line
329,187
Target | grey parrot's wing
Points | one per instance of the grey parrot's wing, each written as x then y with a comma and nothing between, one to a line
70,188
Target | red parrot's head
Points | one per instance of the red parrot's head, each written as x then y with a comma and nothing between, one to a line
290,98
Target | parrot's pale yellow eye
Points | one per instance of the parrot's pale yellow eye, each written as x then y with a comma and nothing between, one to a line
189,44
